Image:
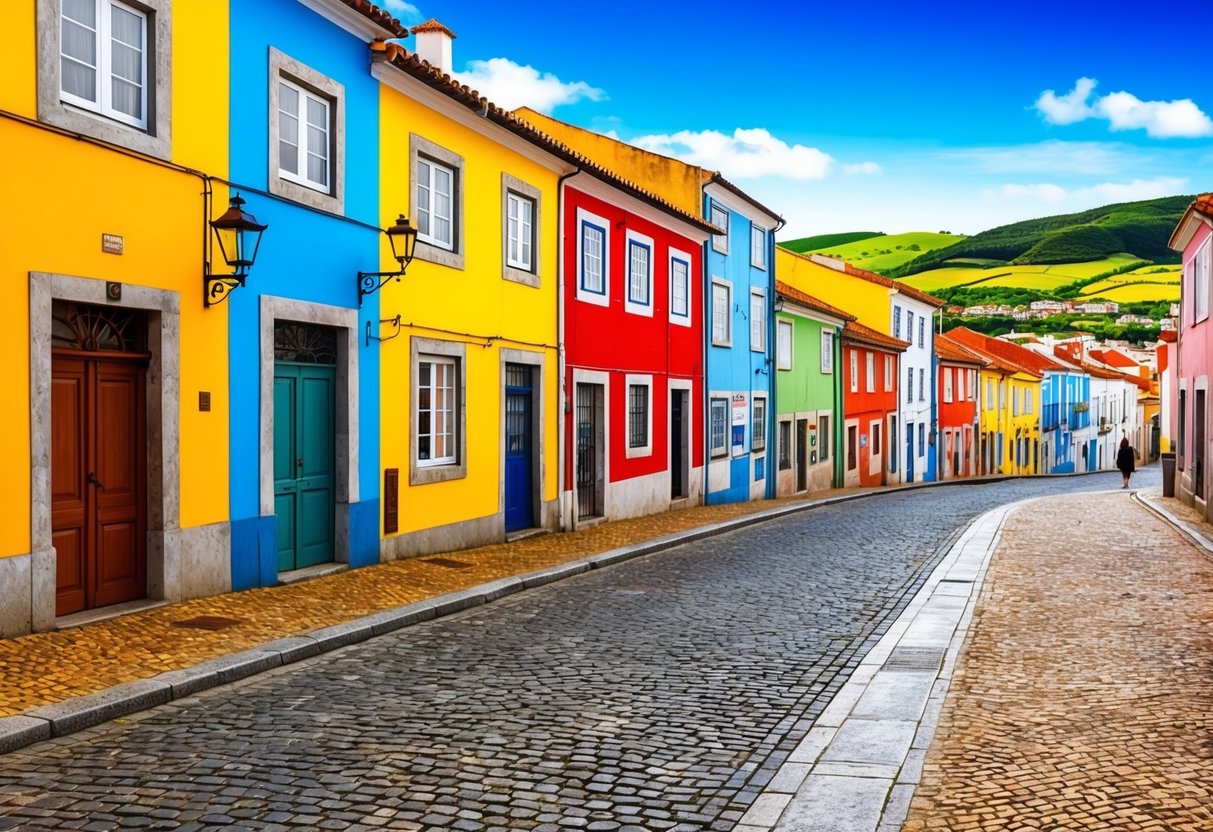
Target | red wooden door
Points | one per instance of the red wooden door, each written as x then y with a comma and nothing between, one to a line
98,480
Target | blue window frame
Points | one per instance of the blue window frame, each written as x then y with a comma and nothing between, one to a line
680,287
640,273
593,258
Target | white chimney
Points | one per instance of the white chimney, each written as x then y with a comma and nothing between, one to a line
434,44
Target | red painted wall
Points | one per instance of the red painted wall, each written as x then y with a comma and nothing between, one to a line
611,339
958,412
868,407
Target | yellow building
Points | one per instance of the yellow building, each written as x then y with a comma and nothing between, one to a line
862,294
470,365
113,457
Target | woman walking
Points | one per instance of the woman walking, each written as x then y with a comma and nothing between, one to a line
1124,461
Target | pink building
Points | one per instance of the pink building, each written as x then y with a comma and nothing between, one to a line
1192,238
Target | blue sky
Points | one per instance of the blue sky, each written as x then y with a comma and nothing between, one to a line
876,116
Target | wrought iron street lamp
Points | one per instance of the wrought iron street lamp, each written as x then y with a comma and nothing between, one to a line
239,236
402,237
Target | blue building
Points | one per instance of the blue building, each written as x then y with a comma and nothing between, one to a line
739,321
304,383
1065,416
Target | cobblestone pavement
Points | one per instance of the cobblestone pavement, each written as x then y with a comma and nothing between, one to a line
662,693
1084,696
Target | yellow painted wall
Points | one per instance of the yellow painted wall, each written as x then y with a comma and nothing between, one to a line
867,301
1002,417
442,301
58,195
677,182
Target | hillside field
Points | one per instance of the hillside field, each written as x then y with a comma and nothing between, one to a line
880,254
1045,278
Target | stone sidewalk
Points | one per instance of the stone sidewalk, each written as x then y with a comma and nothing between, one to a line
1084,695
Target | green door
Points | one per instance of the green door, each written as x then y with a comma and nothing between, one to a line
303,463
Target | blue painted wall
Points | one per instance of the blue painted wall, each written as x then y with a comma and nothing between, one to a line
738,368
305,255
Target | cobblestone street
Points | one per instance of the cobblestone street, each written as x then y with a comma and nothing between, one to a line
661,693
1082,699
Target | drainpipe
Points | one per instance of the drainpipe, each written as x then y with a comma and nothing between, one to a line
563,399
772,371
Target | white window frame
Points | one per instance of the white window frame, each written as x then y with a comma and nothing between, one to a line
718,215
300,138
631,303
758,320
520,231
896,321
427,207
870,371
644,381
718,451
289,184
888,373
678,257
725,340
152,134
424,152
103,71
854,361
827,351
947,385
1202,278
824,437
922,385
588,295
758,423
516,269
922,327
758,246
450,466
909,384
784,334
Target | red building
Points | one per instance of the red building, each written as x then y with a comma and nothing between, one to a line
957,395
632,326
870,374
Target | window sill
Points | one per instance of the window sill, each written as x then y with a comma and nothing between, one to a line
517,275
426,474
636,453
441,256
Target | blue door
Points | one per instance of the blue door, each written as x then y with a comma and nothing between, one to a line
519,461
909,452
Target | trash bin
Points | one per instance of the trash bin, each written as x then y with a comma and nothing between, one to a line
1168,475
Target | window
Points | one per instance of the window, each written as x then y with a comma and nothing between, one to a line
852,447
972,385
758,437
827,351
896,321
947,385
785,445
722,317
436,410
95,65
638,416
909,384
103,59
870,379
922,438
922,325
783,345
303,136
593,243
989,394
823,437
909,326
1202,276
306,135
720,219
1014,403
640,274
758,247
435,204
520,237
874,430
758,321
720,427
854,371
436,200
680,287
922,387
888,373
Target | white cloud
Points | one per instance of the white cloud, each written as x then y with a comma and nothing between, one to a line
1093,195
512,85
1180,118
863,169
1055,157
746,154
400,8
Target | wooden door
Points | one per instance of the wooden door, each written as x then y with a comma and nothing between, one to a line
98,480
304,463
519,462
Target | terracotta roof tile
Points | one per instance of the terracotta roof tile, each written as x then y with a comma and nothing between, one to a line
378,16
432,25
1168,335
955,352
857,332
424,71
1114,358
1203,204
794,294
1004,354
738,192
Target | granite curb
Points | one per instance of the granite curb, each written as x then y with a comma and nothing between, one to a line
1199,539
78,713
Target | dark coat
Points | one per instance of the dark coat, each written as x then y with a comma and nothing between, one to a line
1124,460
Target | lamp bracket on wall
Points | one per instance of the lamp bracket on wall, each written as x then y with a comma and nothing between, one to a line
394,322
403,239
239,236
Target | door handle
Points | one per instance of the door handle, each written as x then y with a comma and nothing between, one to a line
299,463
92,480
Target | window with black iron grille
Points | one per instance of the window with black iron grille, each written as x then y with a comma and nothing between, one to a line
638,416
785,445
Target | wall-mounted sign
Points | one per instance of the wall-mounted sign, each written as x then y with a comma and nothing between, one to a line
740,416
111,243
